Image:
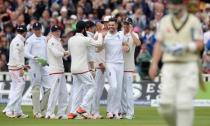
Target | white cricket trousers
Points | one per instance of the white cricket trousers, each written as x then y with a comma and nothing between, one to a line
178,89
58,94
39,75
114,73
100,80
83,91
127,94
16,92
39,80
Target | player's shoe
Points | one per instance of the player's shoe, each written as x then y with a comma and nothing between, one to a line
118,116
22,116
83,113
50,116
97,116
79,117
10,114
4,111
71,116
80,110
38,116
130,117
61,117
109,115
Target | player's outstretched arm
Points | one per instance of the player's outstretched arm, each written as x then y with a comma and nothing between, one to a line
97,42
157,53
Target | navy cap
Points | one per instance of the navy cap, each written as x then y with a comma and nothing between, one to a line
37,26
21,28
55,28
128,20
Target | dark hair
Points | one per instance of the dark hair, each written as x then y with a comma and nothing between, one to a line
80,26
89,24
113,20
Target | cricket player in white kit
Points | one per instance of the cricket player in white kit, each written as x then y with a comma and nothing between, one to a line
113,43
180,40
58,93
99,73
90,30
36,47
16,71
131,39
83,80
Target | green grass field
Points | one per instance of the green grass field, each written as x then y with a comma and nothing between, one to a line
145,116
204,95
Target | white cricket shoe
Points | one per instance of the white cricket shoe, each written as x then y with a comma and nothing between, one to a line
130,117
79,117
61,117
4,111
87,116
22,116
10,114
118,116
50,116
109,115
38,116
97,116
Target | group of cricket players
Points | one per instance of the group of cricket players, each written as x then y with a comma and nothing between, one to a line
99,51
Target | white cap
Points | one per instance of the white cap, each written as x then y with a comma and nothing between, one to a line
106,18
55,14
73,17
63,9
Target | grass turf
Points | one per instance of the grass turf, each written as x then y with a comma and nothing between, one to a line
144,116
204,95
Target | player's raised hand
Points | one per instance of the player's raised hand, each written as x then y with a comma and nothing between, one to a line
130,28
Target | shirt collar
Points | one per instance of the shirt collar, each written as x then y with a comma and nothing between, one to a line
21,37
112,34
90,33
183,18
58,39
79,34
36,36
126,33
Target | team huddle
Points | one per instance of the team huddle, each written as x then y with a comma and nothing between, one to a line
97,51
